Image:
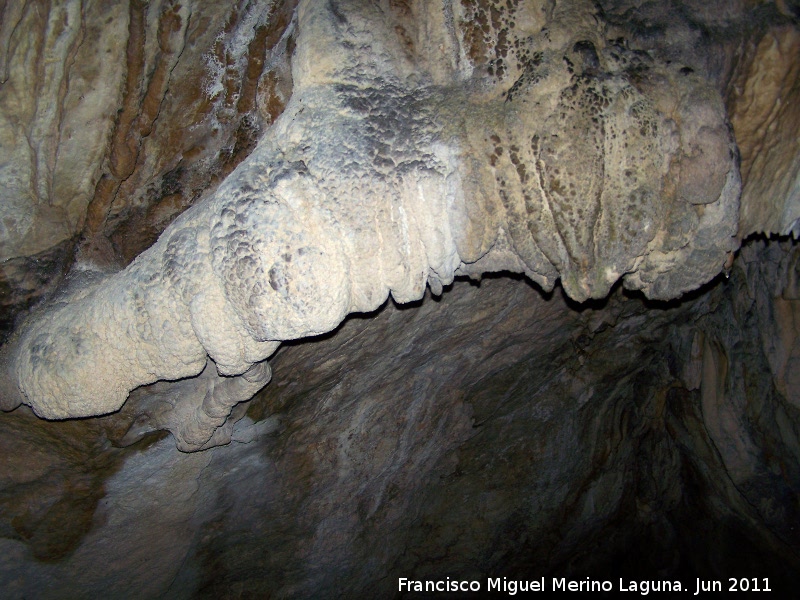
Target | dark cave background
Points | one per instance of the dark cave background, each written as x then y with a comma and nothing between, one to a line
494,431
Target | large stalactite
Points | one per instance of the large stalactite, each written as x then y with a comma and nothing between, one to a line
385,173
522,269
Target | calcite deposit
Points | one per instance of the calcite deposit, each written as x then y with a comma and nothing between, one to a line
300,297
575,158
116,117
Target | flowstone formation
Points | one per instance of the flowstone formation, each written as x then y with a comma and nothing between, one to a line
522,140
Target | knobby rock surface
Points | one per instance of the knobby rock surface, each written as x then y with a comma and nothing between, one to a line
567,155
490,249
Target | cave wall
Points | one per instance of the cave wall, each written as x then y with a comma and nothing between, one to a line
492,427
500,431
116,117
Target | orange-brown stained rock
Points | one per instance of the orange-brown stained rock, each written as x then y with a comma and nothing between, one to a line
138,113
764,107
188,138
123,146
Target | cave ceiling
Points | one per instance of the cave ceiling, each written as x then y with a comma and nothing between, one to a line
299,297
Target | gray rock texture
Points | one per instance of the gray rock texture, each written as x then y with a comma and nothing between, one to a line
524,270
494,432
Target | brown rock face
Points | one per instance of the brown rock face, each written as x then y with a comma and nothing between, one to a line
187,186
766,117
134,111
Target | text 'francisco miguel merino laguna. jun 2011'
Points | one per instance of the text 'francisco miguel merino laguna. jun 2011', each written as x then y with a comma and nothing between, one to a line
562,584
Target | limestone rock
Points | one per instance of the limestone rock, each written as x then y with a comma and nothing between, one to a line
766,117
492,432
116,117
282,180
57,109
543,149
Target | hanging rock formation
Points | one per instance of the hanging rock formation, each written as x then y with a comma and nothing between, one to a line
565,155
192,189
